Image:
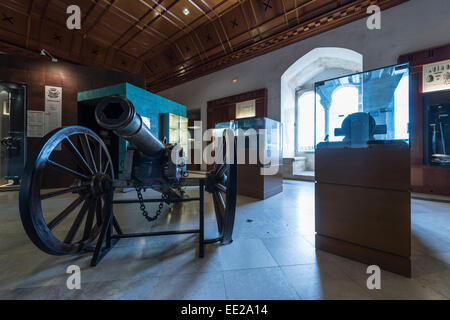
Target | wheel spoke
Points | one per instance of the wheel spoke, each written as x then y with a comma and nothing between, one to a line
222,204
99,212
65,213
87,149
90,218
222,170
76,225
106,167
61,192
64,169
77,154
220,187
100,160
218,209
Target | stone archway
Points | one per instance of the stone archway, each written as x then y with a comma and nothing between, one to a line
317,65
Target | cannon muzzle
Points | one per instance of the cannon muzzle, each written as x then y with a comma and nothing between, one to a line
118,114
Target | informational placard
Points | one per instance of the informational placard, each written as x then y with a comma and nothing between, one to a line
246,109
53,108
35,124
436,77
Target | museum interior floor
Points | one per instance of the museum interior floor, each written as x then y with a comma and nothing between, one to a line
272,257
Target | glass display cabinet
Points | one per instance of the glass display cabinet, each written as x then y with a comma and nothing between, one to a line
13,135
175,129
362,168
436,122
259,139
364,108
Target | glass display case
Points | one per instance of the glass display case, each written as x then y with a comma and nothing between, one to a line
366,108
437,128
13,133
259,155
175,129
258,134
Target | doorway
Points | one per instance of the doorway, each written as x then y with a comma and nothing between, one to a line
12,134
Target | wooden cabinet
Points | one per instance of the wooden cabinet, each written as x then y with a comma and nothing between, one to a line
254,185
363,205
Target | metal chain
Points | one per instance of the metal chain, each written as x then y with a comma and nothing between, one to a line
144,210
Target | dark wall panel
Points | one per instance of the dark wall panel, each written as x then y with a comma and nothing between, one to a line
224,109
37,73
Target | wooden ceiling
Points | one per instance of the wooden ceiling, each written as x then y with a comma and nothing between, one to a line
157,39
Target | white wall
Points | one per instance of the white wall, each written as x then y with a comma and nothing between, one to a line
412,26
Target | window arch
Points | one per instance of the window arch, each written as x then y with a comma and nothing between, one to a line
344,102
317,65
306,117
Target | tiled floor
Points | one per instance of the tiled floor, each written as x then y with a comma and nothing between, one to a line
272,257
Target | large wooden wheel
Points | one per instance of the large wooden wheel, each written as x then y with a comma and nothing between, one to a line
60,200
222,184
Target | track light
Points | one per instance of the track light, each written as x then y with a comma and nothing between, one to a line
46,53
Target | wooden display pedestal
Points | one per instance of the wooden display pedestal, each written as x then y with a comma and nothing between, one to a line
363,204
252,184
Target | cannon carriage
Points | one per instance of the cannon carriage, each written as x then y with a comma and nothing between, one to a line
86,176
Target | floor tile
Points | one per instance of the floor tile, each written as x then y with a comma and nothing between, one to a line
258,284
323,281
291,250
193,286
245,254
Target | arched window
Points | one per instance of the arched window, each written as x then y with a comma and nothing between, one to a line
344,102
401,110
305,120
317,65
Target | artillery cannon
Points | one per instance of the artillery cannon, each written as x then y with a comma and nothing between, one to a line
86,171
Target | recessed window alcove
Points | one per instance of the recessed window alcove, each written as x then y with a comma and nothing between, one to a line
297,104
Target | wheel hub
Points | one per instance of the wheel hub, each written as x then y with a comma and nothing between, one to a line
100,184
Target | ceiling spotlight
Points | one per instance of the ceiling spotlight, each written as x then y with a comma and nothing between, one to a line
235,80
186,11
46,53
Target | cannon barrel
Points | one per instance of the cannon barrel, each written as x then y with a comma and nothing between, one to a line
118,114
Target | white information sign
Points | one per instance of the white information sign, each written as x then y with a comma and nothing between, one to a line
35,124
246,109
436,76
53,108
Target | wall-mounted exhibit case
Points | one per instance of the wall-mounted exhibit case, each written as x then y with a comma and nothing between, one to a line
150,106
362,193
12,134
437,128
263,138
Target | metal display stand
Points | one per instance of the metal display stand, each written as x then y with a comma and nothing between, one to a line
108,238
